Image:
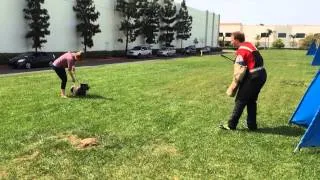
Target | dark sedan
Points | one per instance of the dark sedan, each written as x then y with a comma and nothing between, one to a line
190,50
32,59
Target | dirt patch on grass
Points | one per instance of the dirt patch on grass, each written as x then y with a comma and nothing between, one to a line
292,65
175,178
162,148
3,174
81,144
294,83
28,157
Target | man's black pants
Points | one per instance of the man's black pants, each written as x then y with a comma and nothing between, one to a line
247,95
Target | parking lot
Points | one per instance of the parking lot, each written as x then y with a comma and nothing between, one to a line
5,69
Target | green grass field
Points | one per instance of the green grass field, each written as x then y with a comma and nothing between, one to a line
155,120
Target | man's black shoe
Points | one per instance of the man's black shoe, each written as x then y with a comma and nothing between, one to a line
253,129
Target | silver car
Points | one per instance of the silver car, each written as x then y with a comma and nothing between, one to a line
140,51
167,51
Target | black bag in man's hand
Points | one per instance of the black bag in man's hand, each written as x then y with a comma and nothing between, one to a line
80,90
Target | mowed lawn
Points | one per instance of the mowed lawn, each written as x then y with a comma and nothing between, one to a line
155,120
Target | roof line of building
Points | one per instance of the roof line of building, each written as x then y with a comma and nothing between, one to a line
235,23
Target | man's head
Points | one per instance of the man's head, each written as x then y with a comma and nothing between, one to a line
237,38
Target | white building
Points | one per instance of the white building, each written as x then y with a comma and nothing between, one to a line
283,32
63,36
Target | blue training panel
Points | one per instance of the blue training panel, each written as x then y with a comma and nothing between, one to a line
311,137
309,104
312,49
316,58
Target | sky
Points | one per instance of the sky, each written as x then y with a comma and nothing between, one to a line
273,12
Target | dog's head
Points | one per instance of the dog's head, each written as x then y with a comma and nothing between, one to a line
84,86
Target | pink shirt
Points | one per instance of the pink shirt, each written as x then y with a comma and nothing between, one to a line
65,61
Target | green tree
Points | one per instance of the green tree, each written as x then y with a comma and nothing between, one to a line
221,39
168,18
257,38
38,20
293,36
129,24
268,33
183,23
150,21
195,41
86,14
278,44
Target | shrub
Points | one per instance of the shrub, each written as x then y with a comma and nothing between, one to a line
278,44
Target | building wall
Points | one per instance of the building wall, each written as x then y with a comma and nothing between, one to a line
210,28
12,29
64,37
215,37
198,27
251,32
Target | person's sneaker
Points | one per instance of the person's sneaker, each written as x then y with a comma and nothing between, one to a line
225,127
63,96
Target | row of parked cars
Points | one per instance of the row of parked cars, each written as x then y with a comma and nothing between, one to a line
44,59
32,59
146,51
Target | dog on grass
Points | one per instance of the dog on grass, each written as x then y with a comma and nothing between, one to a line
79,90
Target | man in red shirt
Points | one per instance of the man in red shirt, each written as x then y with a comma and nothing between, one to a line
249,87
67,60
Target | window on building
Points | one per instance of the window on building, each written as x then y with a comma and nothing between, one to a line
282,35
228,34
263,35
220,34
300,35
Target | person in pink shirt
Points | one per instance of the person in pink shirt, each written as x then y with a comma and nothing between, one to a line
66,60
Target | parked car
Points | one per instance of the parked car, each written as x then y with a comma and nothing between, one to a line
167,51
206,49
32,59
140,51
216,49
190,50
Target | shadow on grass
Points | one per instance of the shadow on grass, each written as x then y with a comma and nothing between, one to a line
93,96
282,130
310,150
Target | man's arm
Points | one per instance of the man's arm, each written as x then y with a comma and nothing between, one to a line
239,70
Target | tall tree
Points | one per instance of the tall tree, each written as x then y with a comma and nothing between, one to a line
86,14
183,23
150,21
221,39
168,17
38,20
268,33
130,19
293,36
257,38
